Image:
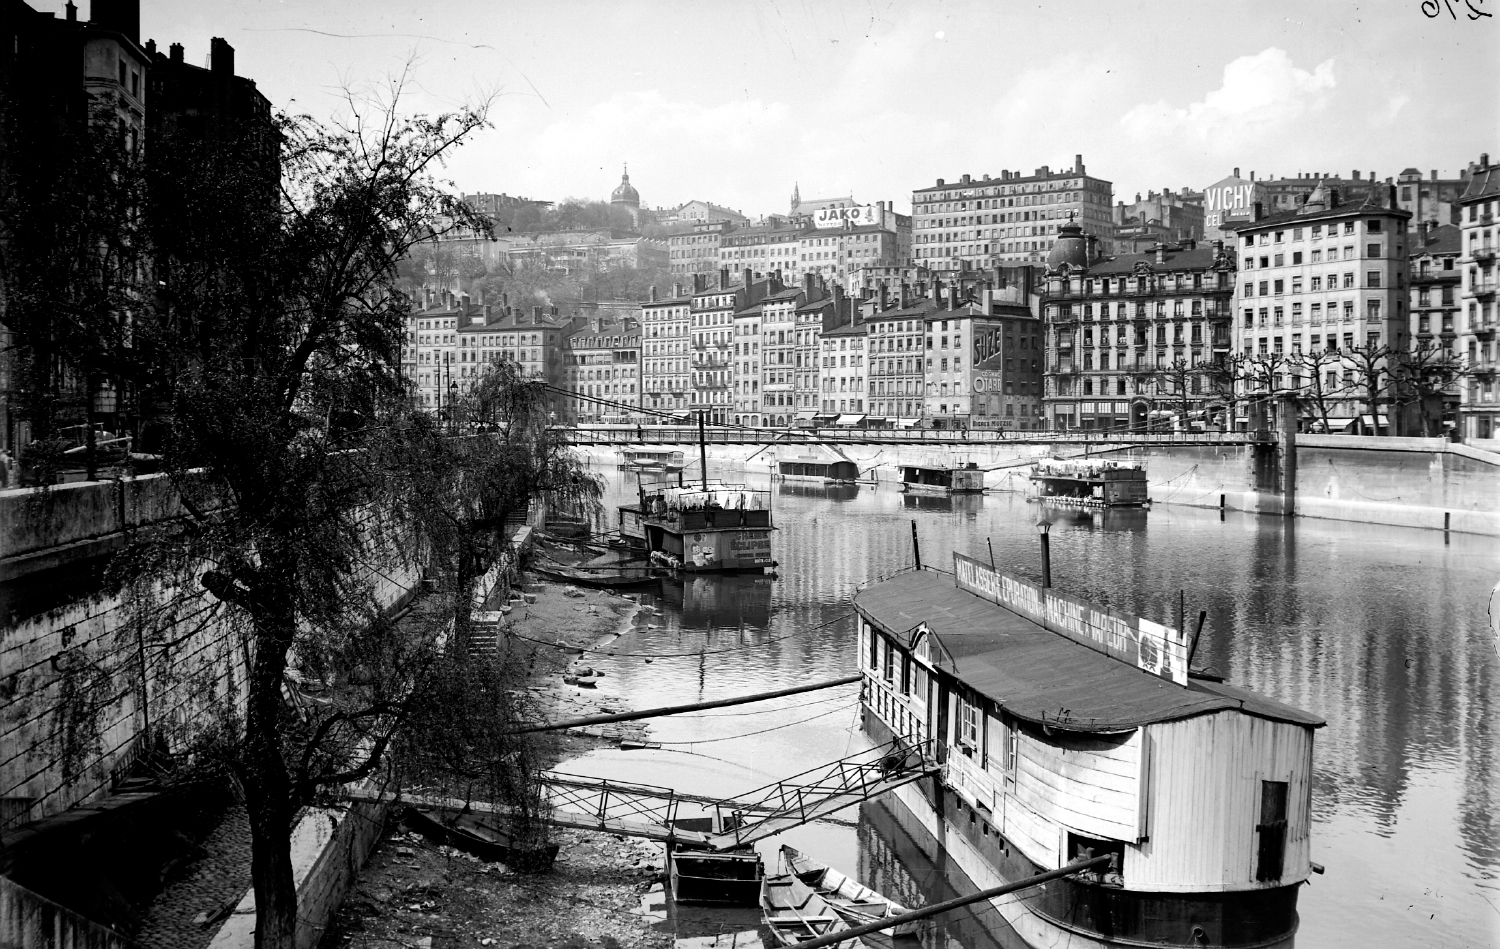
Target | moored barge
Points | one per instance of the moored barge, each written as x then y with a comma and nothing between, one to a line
708,528
922,480
1090,482
1066,729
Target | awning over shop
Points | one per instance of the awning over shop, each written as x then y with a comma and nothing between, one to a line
806,415
907,422
824,418
849,420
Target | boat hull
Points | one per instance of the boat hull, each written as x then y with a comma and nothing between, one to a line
720,879
1069,913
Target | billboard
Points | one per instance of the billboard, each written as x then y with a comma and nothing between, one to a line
1159,650
1227,203
857,216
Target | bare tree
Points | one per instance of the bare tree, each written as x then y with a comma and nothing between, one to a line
1370,367
1322,387
1422,376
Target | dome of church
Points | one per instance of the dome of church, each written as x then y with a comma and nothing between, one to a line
1072,247
625,193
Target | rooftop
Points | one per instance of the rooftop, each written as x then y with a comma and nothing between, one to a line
1371,204
1036,674
1199,258
1447,239
1485,183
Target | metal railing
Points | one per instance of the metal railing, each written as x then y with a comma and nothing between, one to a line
688,435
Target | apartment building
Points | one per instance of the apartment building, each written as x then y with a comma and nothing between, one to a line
666,354
764,248
778,349
816,311
897,351
1011,219
1327,278
711,329
1136,334
747,355
1479,406
601,359
842,370
1436,282
982,364
696,249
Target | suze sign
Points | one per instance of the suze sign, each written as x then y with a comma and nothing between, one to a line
1159,650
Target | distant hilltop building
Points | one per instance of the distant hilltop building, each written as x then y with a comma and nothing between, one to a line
627,197
699,212
800,208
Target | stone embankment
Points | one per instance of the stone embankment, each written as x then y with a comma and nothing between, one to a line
1409,482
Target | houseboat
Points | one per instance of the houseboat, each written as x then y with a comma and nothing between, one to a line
1064,729
651,459
1089,482
710,527
965,480
816,463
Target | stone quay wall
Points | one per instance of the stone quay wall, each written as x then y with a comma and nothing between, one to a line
1410,482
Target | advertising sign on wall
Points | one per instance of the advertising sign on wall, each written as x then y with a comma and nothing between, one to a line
1159,650
1228,202
856,216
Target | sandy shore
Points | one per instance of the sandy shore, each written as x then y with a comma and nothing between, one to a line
413,893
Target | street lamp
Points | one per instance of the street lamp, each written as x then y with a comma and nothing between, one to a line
1043,526
452,405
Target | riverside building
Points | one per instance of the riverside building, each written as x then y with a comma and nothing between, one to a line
1011,219
666,374
601,359
1327,279
1479,409
1135,334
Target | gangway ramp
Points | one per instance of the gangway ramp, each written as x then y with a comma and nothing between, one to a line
645,811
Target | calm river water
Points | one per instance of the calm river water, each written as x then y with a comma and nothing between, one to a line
1382,631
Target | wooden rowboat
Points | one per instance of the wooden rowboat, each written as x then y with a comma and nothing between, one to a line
855,902
795,913
474,835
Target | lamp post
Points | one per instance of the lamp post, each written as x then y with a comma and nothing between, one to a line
452,406
1043,526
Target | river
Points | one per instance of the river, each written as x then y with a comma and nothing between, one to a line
1381,630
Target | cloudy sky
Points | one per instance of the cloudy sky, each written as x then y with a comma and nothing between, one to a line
735,101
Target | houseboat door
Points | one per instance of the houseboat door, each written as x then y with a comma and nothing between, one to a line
1271,851
938,730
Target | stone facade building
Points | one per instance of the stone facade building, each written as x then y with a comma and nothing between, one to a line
602,359
666,355
1134,334
1479,409
1327,280
1011,219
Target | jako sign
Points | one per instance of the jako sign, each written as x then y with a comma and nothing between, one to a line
1159,650
855,216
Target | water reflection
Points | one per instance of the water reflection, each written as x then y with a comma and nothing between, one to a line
828,492
1380,630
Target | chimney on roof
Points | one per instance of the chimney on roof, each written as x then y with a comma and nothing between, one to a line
676,290
463,299
840,305
1434,174
747,277
1218,248
221,57
936,291
652,298
963,180
940,182
1236,171
1161,253
1421,233
952,297
1356,174
72,12
1258,210
174,52
723,278
1484,160
1372,175
536,315
552,312
1077,164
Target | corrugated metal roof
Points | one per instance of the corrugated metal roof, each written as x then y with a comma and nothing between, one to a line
1041,676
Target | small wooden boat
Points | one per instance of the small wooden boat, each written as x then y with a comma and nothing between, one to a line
615,578
476,835
855,902
795,913
731,878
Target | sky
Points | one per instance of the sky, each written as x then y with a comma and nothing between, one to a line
735,102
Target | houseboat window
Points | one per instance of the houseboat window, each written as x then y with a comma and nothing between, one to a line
1271,852
1081,847
889,669
905,674
968,724
919,684
874,647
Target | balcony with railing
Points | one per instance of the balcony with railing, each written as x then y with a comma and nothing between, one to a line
1482,253
1483,289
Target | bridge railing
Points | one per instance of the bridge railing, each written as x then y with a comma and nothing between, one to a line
688,435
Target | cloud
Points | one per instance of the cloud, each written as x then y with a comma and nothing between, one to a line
1261,95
